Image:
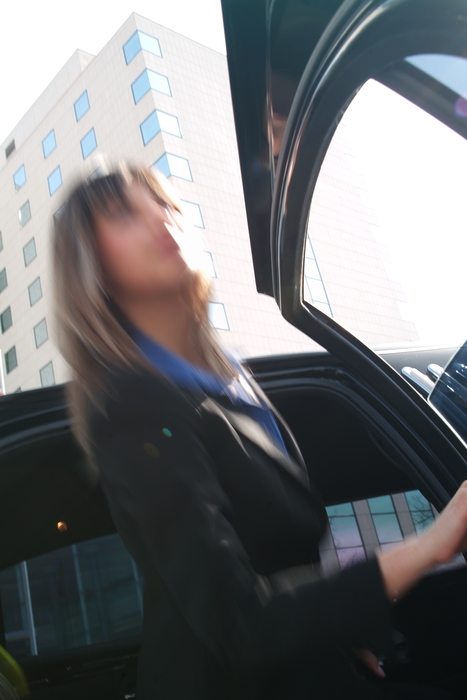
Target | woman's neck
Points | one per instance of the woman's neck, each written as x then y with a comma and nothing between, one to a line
169,322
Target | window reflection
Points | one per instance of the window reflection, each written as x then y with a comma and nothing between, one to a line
81,105
140,41
450,71
47,375
29,252
345,534
420,510
19,178
218,316
49,143
159,121
150,80
357,529
88,143
24,214
85,594
169,164
54,180
192,212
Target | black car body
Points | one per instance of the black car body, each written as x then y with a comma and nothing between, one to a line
364,430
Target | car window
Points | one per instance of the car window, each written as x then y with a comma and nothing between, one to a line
357,529
385,248
79,596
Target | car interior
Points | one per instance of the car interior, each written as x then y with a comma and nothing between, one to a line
87,592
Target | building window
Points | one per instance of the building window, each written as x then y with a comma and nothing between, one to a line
346,534
3,280
150,80
140,41
47,375
169,165
81,105
208,264
54,180
217,316
192,212
40,333
24,214
385,521
10,148
19,178
88,143
49,143
420,510
29,252
159,121
5,320
35,291
314,289
11,361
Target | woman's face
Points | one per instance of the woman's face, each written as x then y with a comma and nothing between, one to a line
139,247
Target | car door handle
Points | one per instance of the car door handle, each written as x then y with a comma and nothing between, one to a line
420,381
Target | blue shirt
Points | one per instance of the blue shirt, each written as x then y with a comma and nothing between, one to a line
188,376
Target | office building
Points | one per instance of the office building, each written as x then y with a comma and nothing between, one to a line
156,97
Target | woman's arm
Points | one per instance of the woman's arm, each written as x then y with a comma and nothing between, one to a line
403,566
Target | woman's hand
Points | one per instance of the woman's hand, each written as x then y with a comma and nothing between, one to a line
370,660
448,534
403,566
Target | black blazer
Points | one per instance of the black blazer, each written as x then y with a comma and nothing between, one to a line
211,510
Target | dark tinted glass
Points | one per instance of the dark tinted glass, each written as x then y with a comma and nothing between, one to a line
6,320
11,360
3,280
79,596
449,395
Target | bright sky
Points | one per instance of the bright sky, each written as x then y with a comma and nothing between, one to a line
37,38
415,175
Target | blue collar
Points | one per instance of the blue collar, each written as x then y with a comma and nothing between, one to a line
189,376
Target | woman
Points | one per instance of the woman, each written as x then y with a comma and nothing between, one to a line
206,485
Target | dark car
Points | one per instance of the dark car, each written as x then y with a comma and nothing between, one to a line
370,425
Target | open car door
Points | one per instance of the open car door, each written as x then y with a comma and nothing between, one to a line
295,68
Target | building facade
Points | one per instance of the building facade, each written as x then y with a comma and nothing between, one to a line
156,97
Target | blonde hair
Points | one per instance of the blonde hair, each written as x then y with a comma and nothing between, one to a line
90,332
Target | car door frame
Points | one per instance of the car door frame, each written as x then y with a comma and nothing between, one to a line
361,40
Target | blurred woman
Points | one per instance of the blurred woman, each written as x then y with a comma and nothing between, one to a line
204,481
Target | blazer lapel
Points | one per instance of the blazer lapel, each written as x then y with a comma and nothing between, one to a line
256,433
289,440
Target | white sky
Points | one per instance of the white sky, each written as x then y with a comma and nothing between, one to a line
37,37
415,174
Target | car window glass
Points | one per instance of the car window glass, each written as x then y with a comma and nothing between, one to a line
386,249
79,596
358,529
